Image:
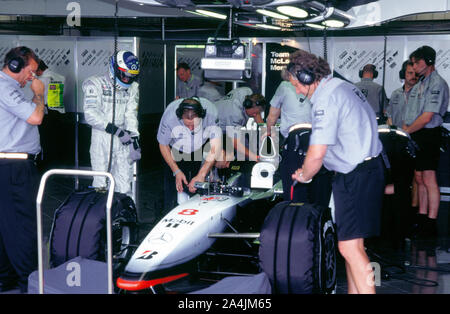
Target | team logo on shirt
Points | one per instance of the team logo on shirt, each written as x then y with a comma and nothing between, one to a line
365,92
358,93
319,113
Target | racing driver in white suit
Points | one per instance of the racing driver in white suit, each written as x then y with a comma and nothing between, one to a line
98,109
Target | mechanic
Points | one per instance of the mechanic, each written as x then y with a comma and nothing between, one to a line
399,98
122,128
188,84
209,90
52,127
353,151
427,104
234,111
375,94
19,179
402,166
185,129
295,125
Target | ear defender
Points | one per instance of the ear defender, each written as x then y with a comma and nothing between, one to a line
187,104
304,76
17,63
248,103
374,71
402,72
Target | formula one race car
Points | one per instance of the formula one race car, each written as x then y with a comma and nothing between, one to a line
217,232
173,248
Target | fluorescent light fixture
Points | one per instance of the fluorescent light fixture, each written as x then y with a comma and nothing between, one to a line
272,14
292,11
333,23
317,26
222,64
212,14
266,26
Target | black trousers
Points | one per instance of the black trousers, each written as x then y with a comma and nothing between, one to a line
293,155
18,232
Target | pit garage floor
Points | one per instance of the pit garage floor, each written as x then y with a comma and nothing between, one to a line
416,267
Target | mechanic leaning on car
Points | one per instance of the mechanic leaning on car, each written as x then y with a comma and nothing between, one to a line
234,111
19,178
295,125
352,151
185,129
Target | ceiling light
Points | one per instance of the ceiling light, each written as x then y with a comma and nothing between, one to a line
317,26
212,14
272,14
266,26
292,11
333,23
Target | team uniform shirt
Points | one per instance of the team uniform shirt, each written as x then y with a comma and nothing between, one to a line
374,93
343,120
397,106
174,133
18,136
430,94
209,91
231,110
293,110
189,88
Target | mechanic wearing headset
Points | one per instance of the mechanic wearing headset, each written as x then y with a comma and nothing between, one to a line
374,92
295,126
19,179
353,151
98,108
428,101
402,165
234,111
186,126
399,98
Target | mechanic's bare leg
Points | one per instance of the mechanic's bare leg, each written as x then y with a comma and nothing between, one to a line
351,287
361,273
414,194
433,193
422,193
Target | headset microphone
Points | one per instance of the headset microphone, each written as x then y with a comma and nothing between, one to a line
302,99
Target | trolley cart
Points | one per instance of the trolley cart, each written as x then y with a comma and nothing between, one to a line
108,220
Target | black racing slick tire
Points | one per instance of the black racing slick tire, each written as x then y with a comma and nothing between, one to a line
298,248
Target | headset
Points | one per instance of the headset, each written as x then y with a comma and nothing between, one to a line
402,72
373,68
249,103
429,54
304,76
186,104
17,63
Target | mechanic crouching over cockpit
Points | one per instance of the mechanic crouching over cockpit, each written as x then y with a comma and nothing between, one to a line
185,130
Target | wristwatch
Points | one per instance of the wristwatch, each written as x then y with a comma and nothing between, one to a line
176,172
